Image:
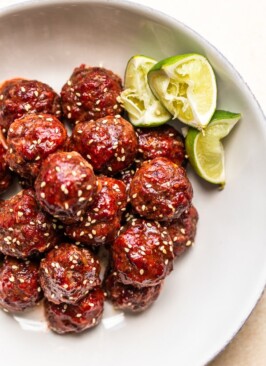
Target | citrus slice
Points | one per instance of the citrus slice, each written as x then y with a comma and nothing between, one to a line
205,150
144,110
186,86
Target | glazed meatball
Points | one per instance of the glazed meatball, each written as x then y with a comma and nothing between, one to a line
30,140
66,186
128,297
163,141
183,230
5,174
91,93
160,190
68,273
24,229
101,221
109,143
19,97
87,313
19,284
142,254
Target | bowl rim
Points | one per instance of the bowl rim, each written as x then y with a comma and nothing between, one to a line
160,16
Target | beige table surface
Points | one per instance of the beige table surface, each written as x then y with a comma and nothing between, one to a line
238,29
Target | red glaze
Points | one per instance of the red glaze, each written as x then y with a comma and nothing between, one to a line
109,143
19,284
183,230
19,97
30,140
128,297
126,176
87,313
91,93
68,273
5,176
160,190
142,253
101,221
163,141
24,228
66,186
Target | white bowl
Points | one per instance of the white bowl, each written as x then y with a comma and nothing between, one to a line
215,286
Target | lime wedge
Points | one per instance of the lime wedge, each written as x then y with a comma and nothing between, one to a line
205,150
186,86
144,110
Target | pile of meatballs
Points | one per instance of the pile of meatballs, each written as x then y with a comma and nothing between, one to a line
107,187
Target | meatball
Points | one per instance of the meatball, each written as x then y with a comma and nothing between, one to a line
5,174
109,143
163,141
128,297
68,273
87,313
183,230
19,97
19,284
160,190
66,186
101,221
91,93
142,254
30,140
24,229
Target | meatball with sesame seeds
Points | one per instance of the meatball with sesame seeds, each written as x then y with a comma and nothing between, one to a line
160,190
30,140
5,174
109,143
91,93
19,97
101,222
66,186
19,284
142,255
128,297
68,273
85,314
183,230
163,141
24,229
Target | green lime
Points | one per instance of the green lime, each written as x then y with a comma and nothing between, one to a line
205,150
144,110
186,86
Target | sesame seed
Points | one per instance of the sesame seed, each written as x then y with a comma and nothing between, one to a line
66,206
94,232
183,231
23,89
57,169
188,243
79,193
134,195
143,207
93,321
43,184
126,250
141,271
69,115
20,214
69,82
81,199
14,267
12,279
1,97
42,195
88,187
39,289
27,107
65,285
175,238
79,213
21,280
79,103
166,261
